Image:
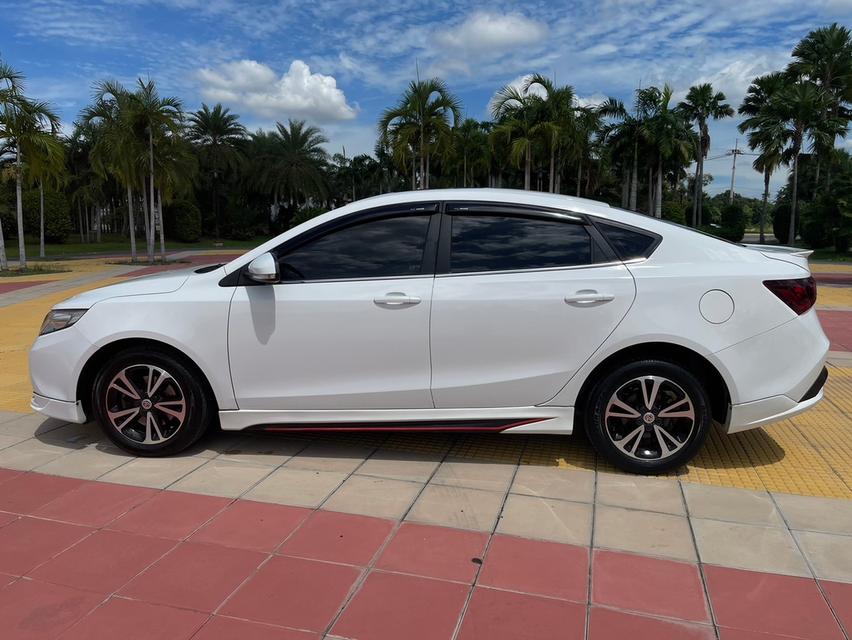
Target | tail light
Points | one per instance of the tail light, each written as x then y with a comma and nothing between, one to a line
799,294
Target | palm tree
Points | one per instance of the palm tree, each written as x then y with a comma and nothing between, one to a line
764,135
46,163
561,129
30,128
158,118
625,137
10,88
470,142
218,136
291,164
703,104
520,124
824,57
421,121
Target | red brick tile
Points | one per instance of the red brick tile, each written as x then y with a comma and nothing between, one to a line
8,474
840,597
31,610
95,503
338,537
293,592
195,576
770,603
252,525
219,628
606,624
133,620
6,518
170,514
502,615
649,585
6,579
740,634
28,492
27,542
104,561
537,567
436,552
390,606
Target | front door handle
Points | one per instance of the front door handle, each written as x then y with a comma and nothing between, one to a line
587,297
396,299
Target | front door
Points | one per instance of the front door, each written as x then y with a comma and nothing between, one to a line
523,303
348,325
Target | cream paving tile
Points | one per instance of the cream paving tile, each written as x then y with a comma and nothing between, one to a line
400,465
30,425
731,504
157,473
832,515
656,534
829,555
222,478
87,464
9,440
457,507
81,434
475,475
8,416
554,482
547,519
299,487
32,453
371,496
330,456
640,492
746,546
272,451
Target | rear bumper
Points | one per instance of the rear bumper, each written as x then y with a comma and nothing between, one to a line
59,409
750,415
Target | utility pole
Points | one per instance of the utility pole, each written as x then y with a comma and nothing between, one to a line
735,152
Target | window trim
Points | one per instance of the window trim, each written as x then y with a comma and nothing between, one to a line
657,238
602,253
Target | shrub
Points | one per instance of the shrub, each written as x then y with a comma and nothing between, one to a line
815,227
57,215
733,222
674,211
781,222
183,221
305,214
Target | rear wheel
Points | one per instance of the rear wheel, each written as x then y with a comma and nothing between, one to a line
149,403
648,416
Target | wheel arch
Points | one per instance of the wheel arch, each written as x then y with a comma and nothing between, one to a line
87,374
706,371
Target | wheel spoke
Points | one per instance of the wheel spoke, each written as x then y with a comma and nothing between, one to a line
669,412
126,387
145,393
636,435
128,414
151,428
162,376
651,397
626,410
173,408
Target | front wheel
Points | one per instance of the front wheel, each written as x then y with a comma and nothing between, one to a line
149,403
648,416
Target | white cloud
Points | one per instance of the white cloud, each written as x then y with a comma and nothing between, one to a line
485,33
256,87
603,49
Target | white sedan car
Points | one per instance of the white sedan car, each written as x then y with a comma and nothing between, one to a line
457,310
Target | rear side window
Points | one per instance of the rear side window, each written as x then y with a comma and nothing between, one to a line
507,243
629,244
384,248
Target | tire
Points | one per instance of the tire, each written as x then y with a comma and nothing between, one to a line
165,388
642,439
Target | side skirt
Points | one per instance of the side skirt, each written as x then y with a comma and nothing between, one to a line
501,419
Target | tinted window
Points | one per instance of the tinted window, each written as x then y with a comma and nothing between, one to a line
377,249
503,243
628,244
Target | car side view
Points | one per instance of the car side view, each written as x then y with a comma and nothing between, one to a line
450,310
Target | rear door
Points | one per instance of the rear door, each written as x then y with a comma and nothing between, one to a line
522,299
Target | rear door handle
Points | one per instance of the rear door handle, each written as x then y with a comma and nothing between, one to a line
396,299
587,297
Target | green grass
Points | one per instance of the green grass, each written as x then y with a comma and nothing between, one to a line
118,245
32,269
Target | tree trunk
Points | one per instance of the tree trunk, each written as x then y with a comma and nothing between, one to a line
527,169
791,236
552,169
422,158
98,215
413,173
3,262
151,183
650,191
766,176
80,220
215,206
131,223
22,255
658,196
625,188
426,176
41,219
145,214
700,192
162,225
634,178
579,176
464,176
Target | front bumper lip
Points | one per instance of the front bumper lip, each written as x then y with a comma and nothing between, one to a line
750,415
59,409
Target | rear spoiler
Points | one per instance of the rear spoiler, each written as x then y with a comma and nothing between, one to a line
775,248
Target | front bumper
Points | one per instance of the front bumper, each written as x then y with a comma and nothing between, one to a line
60,409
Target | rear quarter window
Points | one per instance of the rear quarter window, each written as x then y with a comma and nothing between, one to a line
629,243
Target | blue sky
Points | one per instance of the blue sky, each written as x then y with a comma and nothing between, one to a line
338,63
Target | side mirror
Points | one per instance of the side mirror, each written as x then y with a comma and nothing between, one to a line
264,269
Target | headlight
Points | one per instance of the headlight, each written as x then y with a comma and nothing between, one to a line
60,319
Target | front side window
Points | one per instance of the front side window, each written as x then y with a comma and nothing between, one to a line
507,243
384,248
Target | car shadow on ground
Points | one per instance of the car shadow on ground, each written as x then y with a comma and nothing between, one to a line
739,451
